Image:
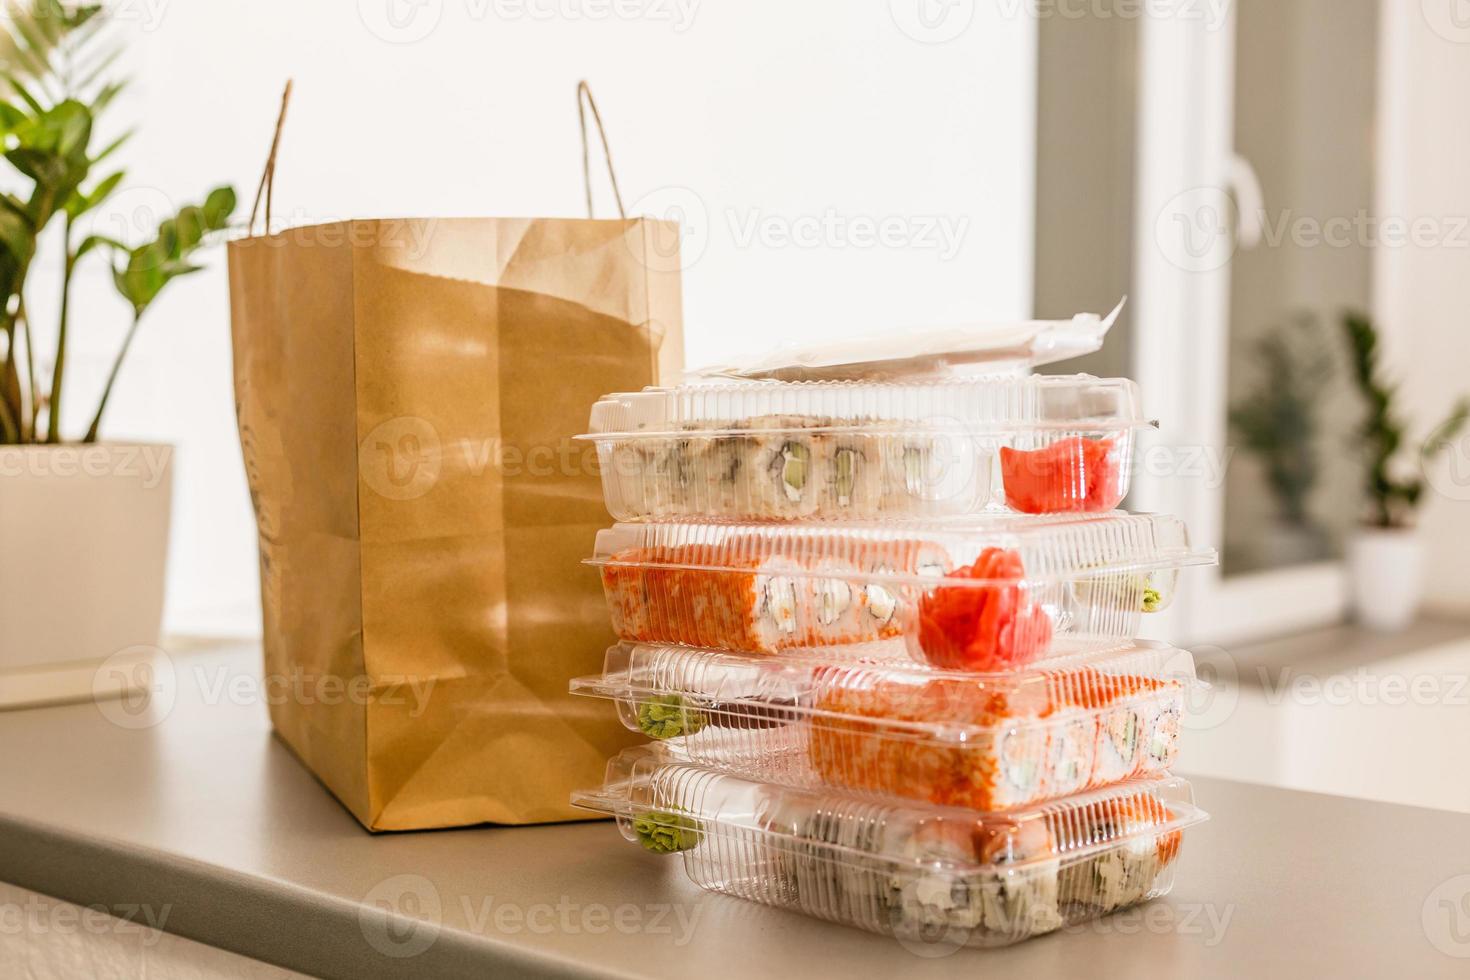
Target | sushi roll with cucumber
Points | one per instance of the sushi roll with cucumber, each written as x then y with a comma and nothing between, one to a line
850,469
1138,730
939,894
1071,748
781,473
735,597
834,859
1129,872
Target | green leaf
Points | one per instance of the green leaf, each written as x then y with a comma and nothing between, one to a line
110,148
25,95
190,226
17,235
218,207
96,241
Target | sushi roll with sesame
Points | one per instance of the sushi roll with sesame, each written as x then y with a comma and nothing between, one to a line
779,474
1070,751
659,597
850,472
829,861
1127,873
1021,898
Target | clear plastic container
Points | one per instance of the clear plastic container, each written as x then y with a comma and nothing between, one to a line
927,874
984,741
986,593
867,450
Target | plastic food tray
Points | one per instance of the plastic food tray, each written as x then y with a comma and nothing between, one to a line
985,741
930,875
982,594
866,450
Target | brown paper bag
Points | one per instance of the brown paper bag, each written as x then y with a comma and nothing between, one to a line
407,394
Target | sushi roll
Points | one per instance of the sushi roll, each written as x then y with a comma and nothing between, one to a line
701,476
1070,751
851,475
630,471
1022,898
1138,730
929,901
779,471
1127,873
666,597
921,470
828,860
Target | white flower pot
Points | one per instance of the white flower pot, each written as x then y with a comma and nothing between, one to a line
1386,567
85,545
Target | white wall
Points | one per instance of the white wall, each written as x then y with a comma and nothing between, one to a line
1423,290
796,113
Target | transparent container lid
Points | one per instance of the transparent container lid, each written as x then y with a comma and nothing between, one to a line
977,594
692,802
892,728
924,352
933,874
1049,548
966,406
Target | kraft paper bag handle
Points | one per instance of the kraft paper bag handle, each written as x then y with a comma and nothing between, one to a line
268,178
267,185
583,89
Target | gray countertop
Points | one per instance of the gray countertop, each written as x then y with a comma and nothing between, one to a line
193,809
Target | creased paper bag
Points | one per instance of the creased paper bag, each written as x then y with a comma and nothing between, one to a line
407,394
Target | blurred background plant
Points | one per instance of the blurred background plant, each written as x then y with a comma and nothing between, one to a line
1393,499
56,74
1280,420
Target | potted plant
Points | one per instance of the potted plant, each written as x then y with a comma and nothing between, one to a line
84,522
1280,423
1385,554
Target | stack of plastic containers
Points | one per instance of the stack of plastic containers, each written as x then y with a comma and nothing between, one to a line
883,637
